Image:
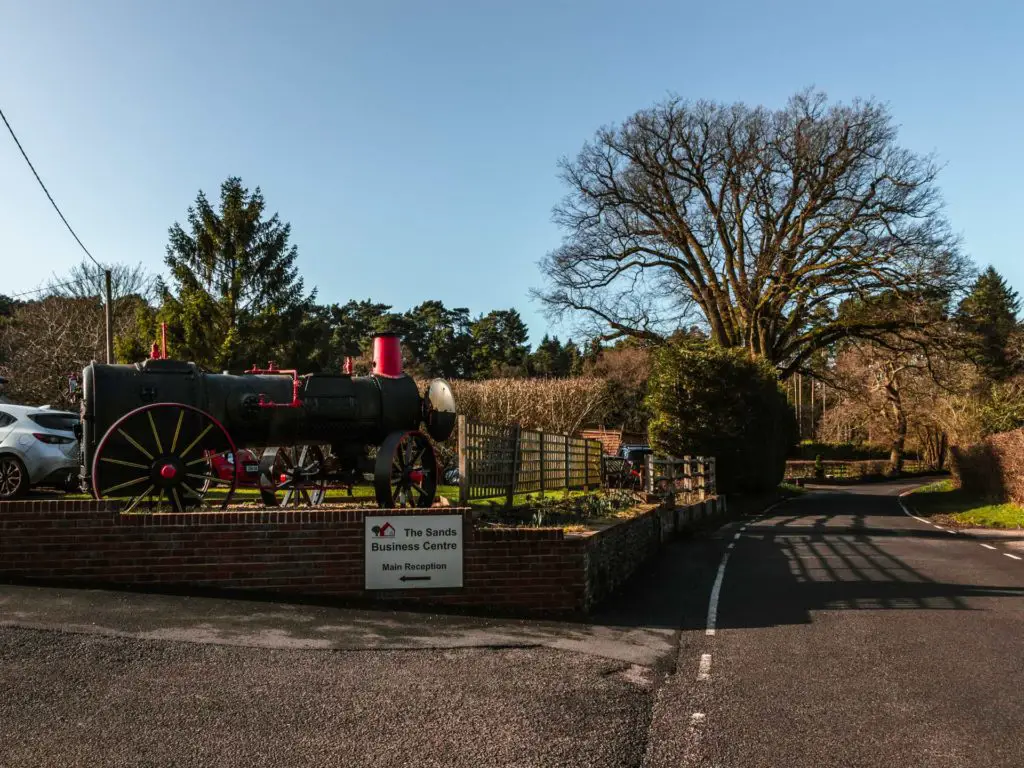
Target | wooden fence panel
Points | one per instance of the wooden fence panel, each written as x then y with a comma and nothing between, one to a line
797,469
496,461
487,459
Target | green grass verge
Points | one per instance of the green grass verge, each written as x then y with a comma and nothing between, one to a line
791,490
519,500
943,499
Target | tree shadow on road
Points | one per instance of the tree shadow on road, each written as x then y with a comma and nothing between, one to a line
783,569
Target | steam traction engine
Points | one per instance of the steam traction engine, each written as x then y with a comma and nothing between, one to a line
157,431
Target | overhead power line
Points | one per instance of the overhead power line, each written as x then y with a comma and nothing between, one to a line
106,272
79,281
48,195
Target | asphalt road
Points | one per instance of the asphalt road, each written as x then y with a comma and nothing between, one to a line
845,633
848,633
89,700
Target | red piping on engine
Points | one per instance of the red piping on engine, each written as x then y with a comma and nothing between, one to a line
270,370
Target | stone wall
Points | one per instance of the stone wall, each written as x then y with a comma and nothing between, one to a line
614,554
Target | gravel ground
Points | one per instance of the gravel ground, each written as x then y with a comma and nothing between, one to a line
80,700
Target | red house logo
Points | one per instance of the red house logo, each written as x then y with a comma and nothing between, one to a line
384,531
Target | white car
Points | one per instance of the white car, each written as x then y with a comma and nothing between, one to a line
37,447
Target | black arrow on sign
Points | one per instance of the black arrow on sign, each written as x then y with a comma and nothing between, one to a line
414,578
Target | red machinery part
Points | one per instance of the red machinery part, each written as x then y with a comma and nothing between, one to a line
271,370
159,350
387,355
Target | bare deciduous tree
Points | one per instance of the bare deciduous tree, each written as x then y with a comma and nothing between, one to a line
45,341
86,281
756,223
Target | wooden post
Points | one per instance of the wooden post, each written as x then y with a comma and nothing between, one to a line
540,456
108,317
565,439
514,440
586,466
800,405
649,480
463,461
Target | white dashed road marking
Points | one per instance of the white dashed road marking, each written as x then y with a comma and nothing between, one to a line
704,671
907,512
715,591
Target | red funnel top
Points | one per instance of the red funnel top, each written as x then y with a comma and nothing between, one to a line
387,355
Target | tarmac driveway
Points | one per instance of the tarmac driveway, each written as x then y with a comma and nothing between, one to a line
90,700
94,678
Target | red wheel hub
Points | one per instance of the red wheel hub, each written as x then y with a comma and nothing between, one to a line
168,472
416,476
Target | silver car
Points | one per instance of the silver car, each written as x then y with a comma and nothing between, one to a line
37,447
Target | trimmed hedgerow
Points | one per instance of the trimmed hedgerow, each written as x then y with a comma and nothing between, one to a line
711,401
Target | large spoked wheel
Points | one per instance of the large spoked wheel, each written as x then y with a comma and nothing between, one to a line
171,456
293,476
406,471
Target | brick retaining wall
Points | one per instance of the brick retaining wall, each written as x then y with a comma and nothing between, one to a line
318,552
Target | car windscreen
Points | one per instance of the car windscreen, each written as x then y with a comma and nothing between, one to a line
64,422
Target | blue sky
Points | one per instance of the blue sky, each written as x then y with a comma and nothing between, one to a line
413,145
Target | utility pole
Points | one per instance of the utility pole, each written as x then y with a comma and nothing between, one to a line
813,382
109,318
799,407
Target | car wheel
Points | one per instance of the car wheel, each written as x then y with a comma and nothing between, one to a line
13,478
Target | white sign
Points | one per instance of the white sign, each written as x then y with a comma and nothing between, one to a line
413,551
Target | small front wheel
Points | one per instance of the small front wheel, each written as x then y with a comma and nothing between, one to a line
293,476
406,471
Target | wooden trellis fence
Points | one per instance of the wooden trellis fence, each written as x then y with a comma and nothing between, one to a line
503,461
830,469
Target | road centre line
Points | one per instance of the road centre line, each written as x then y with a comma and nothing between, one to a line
988,546
704,671
715,592
1013,556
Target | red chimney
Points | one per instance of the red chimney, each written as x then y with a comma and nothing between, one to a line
387,355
